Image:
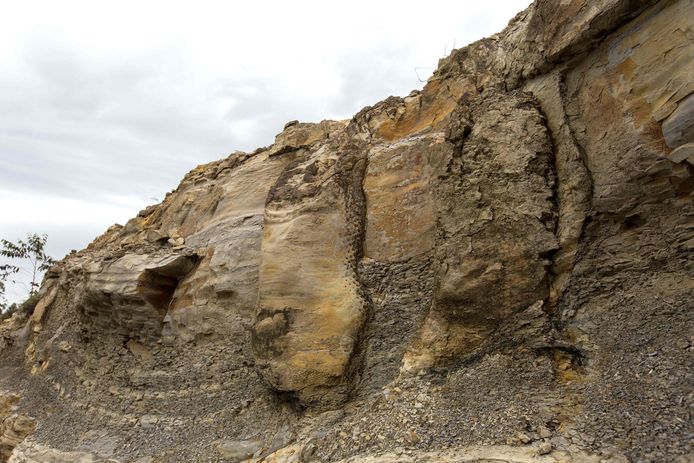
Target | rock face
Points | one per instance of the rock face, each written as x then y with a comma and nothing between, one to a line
14,428
497,267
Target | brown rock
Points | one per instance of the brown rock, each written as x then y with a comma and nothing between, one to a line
496,252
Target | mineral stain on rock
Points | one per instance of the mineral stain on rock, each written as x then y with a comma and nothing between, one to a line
495,268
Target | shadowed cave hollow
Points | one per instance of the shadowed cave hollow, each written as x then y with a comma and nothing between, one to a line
158,285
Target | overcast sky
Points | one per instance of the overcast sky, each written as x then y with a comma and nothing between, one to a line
105,105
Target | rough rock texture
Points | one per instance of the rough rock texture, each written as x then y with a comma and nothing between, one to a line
14,428
495,268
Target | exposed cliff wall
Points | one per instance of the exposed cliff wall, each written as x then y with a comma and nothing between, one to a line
498,267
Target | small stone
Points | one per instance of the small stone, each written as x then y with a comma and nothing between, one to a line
64,346
682,343
524,438
148,421
412,437
664,111
176,242
131,421
683,153
155,235
544,448
238,449
144,460
544,432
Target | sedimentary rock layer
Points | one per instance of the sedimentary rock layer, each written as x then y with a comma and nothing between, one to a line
496,267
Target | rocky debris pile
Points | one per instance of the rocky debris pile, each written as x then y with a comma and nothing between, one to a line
496,267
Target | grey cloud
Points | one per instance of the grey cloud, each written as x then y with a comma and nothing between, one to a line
78,127
72,129
367,79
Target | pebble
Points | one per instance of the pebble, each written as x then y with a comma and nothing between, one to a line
544,448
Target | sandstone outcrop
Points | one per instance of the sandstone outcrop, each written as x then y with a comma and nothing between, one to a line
14,428
495,268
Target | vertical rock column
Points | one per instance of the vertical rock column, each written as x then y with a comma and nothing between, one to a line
495,229
311,308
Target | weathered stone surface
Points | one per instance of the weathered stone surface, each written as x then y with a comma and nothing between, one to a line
399,183
548,33
219,298
132,294
683,153
14,428
495,227
298,135
678,127
310,307
238,450
573,185
614,94
482,454
35,453
504,257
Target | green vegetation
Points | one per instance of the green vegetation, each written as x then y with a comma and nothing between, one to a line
31,252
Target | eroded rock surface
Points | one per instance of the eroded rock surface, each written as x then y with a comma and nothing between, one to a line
14,427
495,268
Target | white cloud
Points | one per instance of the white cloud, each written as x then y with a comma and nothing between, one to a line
43,210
